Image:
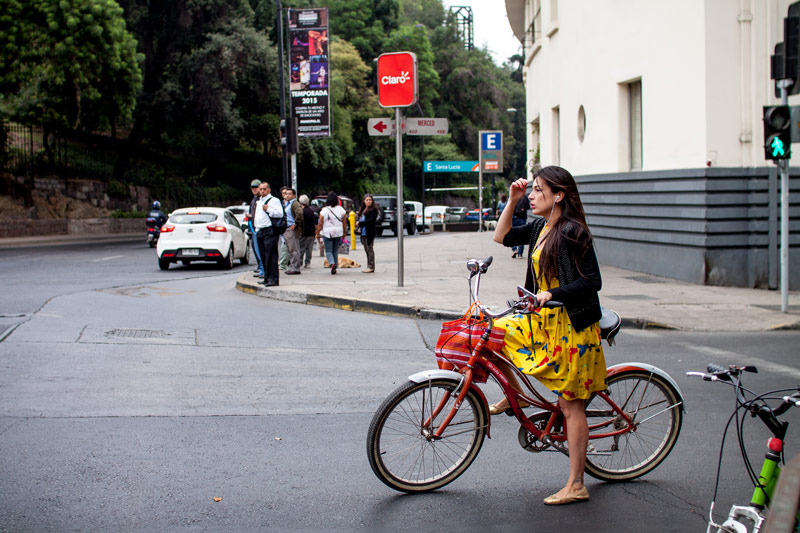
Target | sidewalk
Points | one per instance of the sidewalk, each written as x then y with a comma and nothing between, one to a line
435,287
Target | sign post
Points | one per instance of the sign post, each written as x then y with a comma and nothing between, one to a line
491,162
397,87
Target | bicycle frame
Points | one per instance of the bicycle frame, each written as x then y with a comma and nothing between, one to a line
481,357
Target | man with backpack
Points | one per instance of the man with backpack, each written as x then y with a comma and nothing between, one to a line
270,223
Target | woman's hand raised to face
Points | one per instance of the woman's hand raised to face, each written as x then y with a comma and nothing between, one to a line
517,190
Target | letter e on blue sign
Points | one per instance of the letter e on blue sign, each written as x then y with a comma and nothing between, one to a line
492,141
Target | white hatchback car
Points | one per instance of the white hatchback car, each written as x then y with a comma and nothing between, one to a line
202,234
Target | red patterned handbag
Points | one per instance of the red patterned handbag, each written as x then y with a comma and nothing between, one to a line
458,339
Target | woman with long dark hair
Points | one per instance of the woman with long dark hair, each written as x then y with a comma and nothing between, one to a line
560,346
332,226
367,217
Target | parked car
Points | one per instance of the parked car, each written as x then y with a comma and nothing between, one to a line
348,204
202,234
388,216
472,214
455,214
434,214
240,212
415,208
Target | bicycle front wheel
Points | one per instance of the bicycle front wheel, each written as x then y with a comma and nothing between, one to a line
653,405
403,451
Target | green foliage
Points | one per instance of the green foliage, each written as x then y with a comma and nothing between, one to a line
117,189
427,12
415,39
70,64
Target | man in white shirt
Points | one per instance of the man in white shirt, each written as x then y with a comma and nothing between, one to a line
268,206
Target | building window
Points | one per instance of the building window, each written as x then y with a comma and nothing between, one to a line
635,124
556,136
581,123
534,31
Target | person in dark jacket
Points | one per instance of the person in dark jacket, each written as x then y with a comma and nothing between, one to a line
520,219
252,216
558,346
307,239
367,217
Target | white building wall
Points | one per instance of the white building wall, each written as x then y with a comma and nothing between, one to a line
704,70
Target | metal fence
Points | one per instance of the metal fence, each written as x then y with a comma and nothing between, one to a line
25,149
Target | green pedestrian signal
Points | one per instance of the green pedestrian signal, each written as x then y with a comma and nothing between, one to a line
777,132
777,148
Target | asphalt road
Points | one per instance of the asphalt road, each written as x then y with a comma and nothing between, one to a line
131,398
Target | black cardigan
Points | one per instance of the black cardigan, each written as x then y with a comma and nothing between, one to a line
370,219
577,291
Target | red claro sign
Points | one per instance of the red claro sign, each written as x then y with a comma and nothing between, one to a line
397,79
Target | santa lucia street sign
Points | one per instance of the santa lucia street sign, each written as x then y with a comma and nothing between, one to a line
410,126
450,166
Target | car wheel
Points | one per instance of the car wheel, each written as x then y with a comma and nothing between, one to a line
163,264
246,257
227,262
411,228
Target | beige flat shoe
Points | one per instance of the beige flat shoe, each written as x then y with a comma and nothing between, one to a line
496,409
581,496
368,270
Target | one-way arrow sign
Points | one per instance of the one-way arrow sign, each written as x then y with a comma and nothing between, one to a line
381,126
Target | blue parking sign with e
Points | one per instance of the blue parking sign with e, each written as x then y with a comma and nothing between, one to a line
492,141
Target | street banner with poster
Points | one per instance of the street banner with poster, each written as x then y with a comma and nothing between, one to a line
309,71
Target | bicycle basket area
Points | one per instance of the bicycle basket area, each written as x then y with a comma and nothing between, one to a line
457,340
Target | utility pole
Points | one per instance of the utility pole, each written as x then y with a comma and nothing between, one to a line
279,28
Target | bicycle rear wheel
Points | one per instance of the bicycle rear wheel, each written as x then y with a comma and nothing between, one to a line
402,450
652,404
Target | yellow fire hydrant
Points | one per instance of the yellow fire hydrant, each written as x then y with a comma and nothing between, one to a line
352,218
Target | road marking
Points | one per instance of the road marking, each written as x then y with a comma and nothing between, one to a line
106,258
762,364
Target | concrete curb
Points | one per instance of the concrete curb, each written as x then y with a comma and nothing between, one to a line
382,308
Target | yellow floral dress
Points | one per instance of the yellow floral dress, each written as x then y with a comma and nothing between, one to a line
543,344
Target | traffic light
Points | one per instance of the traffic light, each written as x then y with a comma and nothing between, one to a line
777,132
289,135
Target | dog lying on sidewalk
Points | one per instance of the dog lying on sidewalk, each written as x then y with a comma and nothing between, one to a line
344,262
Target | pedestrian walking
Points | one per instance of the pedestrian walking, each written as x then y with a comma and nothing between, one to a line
367,218
331,226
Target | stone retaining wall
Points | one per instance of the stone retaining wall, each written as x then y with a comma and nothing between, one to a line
89,226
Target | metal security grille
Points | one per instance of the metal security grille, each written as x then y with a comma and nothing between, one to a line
137,333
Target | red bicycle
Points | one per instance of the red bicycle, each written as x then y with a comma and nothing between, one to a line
430,429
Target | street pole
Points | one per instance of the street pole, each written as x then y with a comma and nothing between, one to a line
279,26
480,196
783,165
398,118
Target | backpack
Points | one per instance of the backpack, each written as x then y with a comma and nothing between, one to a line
279,224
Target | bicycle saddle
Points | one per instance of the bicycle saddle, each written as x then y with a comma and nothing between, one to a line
610,323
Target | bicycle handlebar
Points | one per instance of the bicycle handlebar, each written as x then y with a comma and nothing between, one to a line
526,303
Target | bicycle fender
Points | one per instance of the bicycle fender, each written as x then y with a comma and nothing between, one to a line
438,373
623,367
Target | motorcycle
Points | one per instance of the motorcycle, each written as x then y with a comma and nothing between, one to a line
153,231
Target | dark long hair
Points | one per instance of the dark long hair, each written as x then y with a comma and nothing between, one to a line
332,199
364,207
572,219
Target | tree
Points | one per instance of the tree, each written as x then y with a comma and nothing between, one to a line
427,12
68,64
209,79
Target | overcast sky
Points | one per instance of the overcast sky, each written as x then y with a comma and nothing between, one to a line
491,27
